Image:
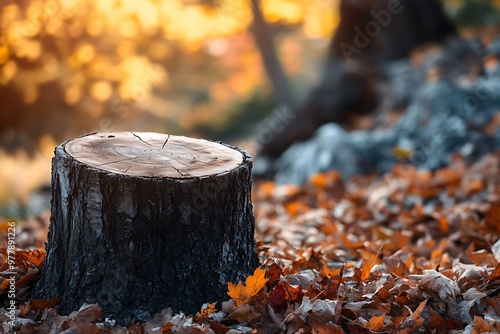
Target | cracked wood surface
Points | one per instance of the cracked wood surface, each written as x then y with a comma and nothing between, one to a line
153,154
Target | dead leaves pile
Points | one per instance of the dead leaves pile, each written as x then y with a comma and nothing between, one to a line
409,252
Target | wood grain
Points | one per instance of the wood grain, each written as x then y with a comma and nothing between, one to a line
153,154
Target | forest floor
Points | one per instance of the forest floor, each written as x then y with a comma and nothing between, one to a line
408,252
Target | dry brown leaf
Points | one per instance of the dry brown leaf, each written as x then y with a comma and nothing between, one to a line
481,326
436,283
467,274
205,311
158,320
492,217
218,328
88,313
435,320
44,303
243,314
414,321
322,327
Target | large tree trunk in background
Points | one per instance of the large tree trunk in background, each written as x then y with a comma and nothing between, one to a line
265,41
351,78
145,221
400,29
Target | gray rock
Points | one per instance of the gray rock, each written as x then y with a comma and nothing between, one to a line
443,117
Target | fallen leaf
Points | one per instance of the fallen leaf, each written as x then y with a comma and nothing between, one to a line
495,249
205,311
159,320
243,314
435,320
88,313
437,283
323,310
243,293
277,297
376,323
44,303
324,327
414,321
218,328
468,274
481,326
492,217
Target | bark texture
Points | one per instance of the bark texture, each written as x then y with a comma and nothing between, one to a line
138,244
264,38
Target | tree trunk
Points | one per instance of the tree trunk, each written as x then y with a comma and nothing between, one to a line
145,221
265,42
373,31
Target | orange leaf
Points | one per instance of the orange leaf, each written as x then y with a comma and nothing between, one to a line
414,321
44,303
295,208
5,224
481,326
32,256
243,293
205,311
326,271
376,323
4,284
218,328
24,308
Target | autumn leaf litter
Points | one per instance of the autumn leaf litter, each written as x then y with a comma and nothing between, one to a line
409,252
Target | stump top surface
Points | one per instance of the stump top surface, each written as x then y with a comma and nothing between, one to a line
153,154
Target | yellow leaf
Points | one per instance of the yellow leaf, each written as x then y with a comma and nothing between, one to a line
402,153
243,293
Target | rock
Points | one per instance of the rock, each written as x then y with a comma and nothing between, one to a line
447,113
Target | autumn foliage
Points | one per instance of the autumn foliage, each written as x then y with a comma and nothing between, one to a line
409,252
243,294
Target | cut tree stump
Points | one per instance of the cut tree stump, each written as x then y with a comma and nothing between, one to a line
145,221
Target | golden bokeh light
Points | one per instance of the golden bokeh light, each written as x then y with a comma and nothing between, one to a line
138,76
47,144
182,62
55,27
319,25
289,11
85,53
30,93
72,94
9,14
8,71
4,54
95,26
101,90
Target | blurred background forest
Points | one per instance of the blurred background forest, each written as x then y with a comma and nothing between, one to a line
191,67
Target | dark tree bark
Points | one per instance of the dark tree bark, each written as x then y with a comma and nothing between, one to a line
264,39
377,30
144,221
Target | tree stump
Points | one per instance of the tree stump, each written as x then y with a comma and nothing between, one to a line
145,221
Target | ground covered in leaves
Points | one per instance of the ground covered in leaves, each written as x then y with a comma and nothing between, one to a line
409,252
